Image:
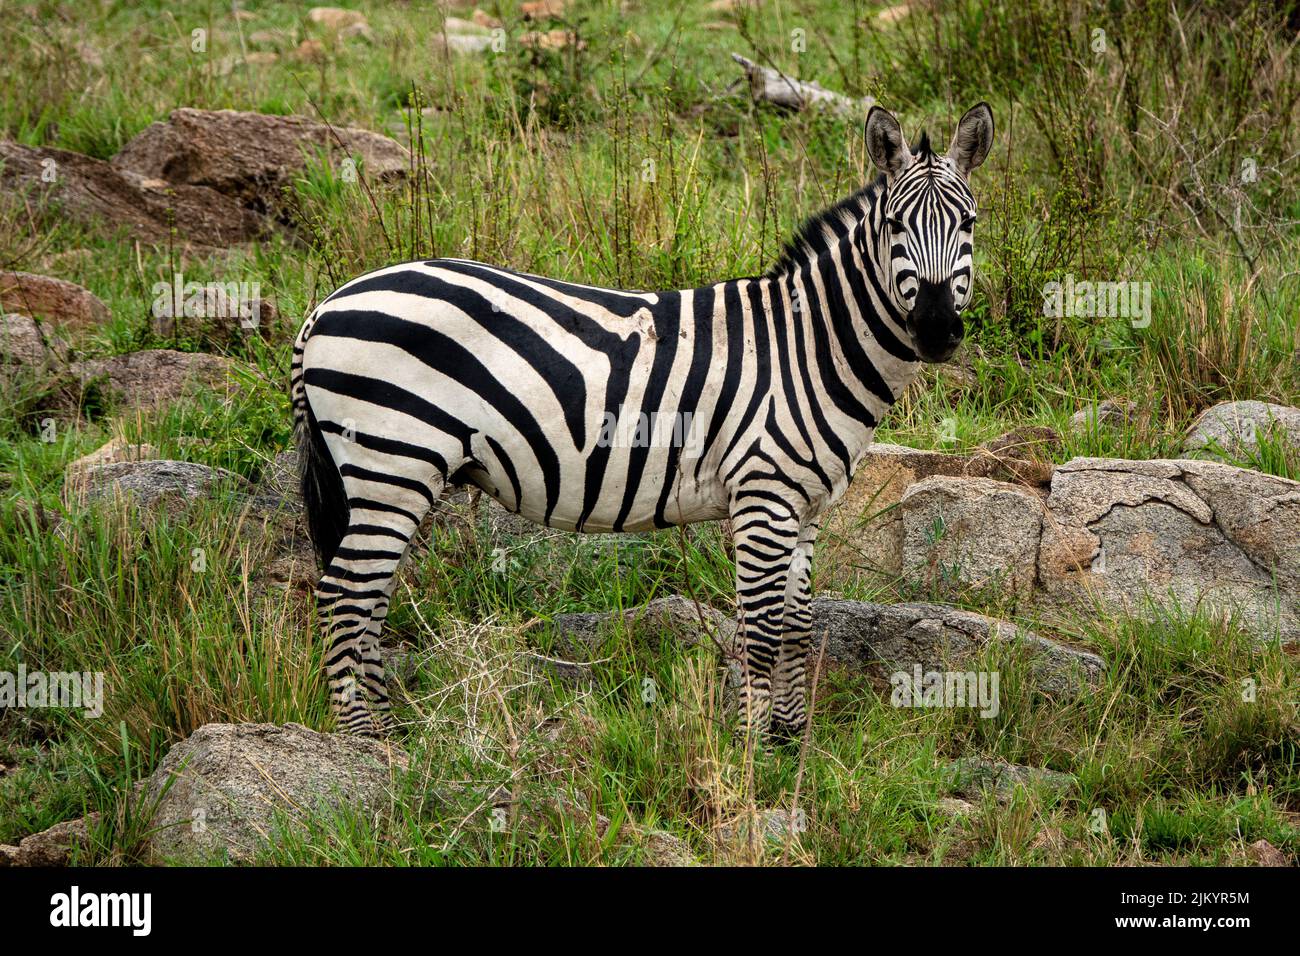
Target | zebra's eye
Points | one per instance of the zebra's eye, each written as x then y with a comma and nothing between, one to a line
894,224
968,223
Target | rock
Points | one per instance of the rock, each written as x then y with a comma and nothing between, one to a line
864,531
581,634
53,847
1232,430
891,15
93,193
63,303
1111,533
217,314
147,482
973,776
280,39
858,635
1263,853
233,785
461,42
336,18
251,157
773,826
153,377
954,807
542,9
310,51
458,25
901,637
1110,413
1022,455
114,451
551,40
1200,534
25,342
973,533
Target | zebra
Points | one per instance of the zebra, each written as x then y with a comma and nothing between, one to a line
449,372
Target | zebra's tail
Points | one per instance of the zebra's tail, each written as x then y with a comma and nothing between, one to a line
324,498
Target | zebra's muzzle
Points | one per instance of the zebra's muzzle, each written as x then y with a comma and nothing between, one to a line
934,322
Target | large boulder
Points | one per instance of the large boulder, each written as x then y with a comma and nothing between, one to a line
934,637
864,533
1197,533
94,193
1111,534
251,156
228,789
880,638
64,303
974,533
25,342
865,529
1234,430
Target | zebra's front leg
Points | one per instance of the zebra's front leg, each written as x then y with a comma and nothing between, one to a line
789,683
766,533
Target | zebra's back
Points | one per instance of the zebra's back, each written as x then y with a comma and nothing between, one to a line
577,407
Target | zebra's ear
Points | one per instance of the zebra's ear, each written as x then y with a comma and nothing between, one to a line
973,139
885,142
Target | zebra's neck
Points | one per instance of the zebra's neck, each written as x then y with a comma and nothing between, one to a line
834,282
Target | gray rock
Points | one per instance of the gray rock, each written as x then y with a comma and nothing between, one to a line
1123,534
900,637
677,615
1233,429
1112,534
26,343
233,786
149,482
973,532
863,533
56,846
1109,413
858,634
772,826
973,776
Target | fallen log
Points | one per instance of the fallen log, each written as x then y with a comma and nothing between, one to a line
767,85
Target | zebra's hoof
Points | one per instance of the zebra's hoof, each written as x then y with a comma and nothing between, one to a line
787,735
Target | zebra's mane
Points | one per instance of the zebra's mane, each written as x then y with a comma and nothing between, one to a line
818,233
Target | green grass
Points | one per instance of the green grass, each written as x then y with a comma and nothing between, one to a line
542,161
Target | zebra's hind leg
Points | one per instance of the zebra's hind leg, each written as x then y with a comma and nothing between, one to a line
352,600
376,686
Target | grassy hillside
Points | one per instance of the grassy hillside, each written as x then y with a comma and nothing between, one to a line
1161,150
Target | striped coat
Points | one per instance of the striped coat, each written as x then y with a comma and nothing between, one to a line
592,409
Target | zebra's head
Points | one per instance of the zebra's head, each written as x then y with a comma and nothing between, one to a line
928,215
